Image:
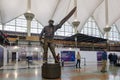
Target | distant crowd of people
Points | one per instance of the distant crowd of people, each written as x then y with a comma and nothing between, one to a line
113,59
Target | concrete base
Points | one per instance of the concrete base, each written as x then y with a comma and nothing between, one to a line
51,71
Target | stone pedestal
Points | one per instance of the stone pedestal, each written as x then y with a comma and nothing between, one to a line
51,71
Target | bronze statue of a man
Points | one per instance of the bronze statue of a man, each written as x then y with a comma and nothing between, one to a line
48,33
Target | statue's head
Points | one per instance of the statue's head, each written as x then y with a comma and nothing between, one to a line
51,22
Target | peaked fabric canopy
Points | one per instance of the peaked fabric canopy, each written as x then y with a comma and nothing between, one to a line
58,9
10,9
113,13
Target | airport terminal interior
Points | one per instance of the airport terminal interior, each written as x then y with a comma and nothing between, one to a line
89,28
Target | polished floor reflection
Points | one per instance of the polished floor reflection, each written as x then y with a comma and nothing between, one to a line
88,72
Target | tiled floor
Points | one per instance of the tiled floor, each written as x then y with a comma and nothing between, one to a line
88,72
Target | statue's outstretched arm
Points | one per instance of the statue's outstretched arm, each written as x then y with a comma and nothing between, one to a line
67,17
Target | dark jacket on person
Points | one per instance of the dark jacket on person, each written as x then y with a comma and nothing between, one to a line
104,55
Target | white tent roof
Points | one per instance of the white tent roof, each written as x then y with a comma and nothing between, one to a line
58,9
113,13
10,9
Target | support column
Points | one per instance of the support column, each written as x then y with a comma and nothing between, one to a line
3,27
29,17
107,28
75,23
29,49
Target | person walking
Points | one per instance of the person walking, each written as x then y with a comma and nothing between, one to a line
78,57
104,60
58,57
110,58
